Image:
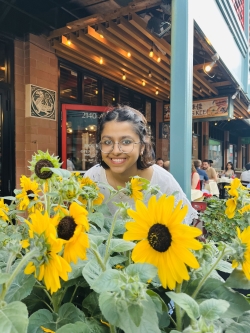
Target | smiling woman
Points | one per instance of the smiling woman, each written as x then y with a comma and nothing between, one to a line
125,152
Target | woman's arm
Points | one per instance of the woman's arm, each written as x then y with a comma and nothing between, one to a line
195,179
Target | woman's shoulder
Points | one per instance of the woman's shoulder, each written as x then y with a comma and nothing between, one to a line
94,173
159,172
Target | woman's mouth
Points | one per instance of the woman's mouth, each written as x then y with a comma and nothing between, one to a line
118,160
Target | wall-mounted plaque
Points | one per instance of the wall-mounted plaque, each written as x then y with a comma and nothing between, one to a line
40,102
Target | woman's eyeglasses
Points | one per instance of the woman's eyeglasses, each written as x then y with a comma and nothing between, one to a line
125,145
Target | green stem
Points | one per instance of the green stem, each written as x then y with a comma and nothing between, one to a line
99,260
18,268
113,195
44,289
178,310
48,197
110,236
72,296
112,329
205,277
55,302
48,306
10,261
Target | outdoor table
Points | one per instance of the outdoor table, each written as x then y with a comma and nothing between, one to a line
222,182
212,187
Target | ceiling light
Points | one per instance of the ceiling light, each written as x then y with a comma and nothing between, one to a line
68,41
2,68
143,83
215,124
149,74
129,54
123,76
157,91
236,93
101,36
159,59
200,90
101,61
69,27
96,91
228,119
113,99
208,67
165,81
151,53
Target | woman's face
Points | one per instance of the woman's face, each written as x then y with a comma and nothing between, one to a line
229,166
117,161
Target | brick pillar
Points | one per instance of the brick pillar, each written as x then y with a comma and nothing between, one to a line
35,63
162,145
239,154
205,140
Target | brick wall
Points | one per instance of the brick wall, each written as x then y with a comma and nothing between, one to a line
35,63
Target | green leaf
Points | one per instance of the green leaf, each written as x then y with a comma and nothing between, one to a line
41,318
185,302
4,277
69,313
20,288
91,304
91,272
115,310
145,272
60,172
224,266
96,239
161,308
238,280
116,260
120,245
77,327
110,280
14,318
212,309
96,218
135,311
216,289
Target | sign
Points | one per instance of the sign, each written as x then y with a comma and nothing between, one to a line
40,102
245,141
209,109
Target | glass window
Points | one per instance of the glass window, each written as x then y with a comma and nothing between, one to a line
109,94
91,91
2,62
68,83
81,139
125,96
215,153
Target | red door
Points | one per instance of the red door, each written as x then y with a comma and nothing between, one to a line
79,135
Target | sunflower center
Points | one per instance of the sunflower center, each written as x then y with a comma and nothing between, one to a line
41,164
159,237
66,228
31,197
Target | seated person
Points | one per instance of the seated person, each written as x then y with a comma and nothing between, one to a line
245,176
202,173
160,162
195,179
229,170
70,165
212,175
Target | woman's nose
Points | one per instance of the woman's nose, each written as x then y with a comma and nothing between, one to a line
116,149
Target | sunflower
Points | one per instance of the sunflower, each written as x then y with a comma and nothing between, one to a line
90,191
136,187
29,194
231,207
47,330
71,228
242,256
40,161
3,210
49,266
234,187
164,241
244,209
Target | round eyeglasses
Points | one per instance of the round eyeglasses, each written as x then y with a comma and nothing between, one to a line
125,145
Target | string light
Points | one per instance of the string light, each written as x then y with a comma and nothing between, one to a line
101,61
96,91
129,54
143,83
149,74
68,41
151,52
157,91
165,81
123,76
159,59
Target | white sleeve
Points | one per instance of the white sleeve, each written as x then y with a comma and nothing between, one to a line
94,173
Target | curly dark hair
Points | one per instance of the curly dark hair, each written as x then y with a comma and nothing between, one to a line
125,113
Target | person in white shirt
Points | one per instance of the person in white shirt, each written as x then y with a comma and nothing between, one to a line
245,176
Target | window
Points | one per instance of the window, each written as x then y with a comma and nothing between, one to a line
3,68
109,94
68,83
91,91
215,153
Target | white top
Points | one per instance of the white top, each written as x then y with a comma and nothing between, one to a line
245,176
161,177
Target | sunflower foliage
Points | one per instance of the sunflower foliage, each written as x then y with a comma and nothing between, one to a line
68,265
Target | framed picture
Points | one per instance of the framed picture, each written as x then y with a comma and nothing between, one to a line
164,131
166,112
40,102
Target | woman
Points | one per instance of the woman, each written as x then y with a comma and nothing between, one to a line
229,170
125,151
195,178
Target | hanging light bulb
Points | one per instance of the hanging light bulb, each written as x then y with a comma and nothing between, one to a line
68,41
129,54
96,91
157,91
149,74
165,81
151,52
143,83
123,76
101,61
159,59
101,36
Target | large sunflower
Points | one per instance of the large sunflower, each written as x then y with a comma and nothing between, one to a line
40,161
3,210
29,194
242,256
49,266
72,229
164,241
231,207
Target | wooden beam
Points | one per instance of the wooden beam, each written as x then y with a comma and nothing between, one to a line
209,86
141,25
222,84
134,6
